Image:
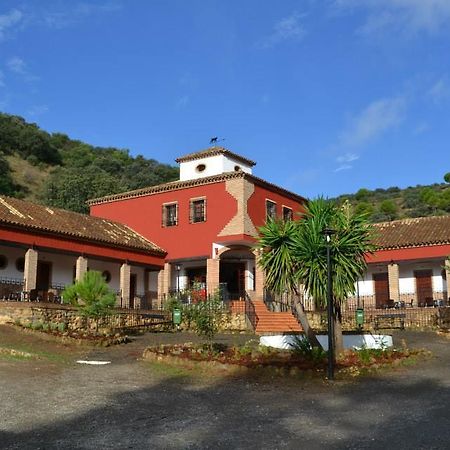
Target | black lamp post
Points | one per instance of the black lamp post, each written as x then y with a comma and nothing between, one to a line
328,233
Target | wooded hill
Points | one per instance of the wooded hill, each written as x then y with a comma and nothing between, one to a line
55,170
394,203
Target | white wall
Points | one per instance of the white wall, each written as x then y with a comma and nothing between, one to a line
215,165
11,254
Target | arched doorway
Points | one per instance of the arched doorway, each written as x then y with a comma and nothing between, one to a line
236,272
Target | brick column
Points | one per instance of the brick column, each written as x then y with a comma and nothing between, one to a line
160,287
394,288
447,274
212,275
260,279
30,269
167,277
125,272
81,268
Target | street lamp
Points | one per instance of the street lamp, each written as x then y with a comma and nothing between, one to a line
328,233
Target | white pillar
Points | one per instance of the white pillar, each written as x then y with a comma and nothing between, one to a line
81,268
125,272
30,269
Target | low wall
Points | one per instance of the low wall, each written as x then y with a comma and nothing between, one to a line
28,313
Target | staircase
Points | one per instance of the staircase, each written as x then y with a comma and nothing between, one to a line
274,322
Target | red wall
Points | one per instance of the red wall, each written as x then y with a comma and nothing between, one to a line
144,215
102,251
404,254
257,205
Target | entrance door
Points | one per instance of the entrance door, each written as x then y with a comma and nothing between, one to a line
233,274
132,289
43,278
381,282
424,287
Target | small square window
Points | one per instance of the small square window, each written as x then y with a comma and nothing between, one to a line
197,210
287,213
271,209
170,215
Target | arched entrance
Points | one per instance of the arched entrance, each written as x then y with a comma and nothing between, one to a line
236,272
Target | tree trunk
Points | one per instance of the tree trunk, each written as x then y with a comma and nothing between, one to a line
300,314
338,338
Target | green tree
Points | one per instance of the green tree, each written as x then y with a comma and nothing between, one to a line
364,208
351,241
91,295
389,209
447,177
295,252
362,194
7,186
278,242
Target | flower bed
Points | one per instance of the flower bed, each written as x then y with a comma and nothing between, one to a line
241,359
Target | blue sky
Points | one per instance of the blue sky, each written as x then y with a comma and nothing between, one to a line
328,96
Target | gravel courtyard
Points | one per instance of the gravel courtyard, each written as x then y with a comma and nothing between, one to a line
54,403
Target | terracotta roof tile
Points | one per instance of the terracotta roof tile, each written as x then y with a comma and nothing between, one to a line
22,214
175,185
418,232
212,151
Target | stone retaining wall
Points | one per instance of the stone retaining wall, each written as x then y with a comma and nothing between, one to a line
25,313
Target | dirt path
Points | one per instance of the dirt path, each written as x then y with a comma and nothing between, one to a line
53,404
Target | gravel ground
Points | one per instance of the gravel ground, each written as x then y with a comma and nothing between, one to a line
56,403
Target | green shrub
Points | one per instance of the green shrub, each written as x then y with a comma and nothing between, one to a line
37,325
301,346
45,327
61,327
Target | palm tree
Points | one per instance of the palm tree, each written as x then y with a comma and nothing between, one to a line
294,252
351,241
278,241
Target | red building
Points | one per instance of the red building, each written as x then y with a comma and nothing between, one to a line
43,249
206,222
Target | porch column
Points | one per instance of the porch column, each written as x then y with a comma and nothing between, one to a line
394,288
125,272
447,275
81,268
30,269
260,278
212,275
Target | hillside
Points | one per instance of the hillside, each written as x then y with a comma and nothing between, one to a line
394,203
58,171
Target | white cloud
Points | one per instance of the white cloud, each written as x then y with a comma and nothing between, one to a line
76,12
343,167
374,120
286,29
182,102
347,157
17,65
9,21
421,128
407,16
440,90
37,110
378,117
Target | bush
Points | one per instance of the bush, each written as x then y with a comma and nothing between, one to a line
302,347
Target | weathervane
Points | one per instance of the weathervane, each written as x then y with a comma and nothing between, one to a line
214,140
